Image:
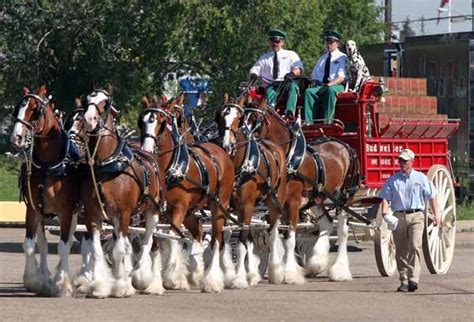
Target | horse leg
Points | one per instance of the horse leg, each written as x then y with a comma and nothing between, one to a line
62,281
175,271
340,270
196,260
213,281
294,273
101,285
85,275
156,286
244,209
142,275
122,286
276,274
32,278
318,261
42,244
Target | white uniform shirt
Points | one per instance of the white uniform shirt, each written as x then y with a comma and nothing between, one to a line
336,69
287,61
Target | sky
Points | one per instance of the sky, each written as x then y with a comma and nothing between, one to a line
416,9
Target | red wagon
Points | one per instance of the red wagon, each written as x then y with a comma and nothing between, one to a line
378,125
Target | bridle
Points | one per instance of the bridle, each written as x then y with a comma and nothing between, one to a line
40,113
155,110
103,113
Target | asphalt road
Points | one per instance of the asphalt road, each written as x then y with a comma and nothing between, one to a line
368,297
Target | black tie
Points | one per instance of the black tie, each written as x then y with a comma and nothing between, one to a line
275,66
326,69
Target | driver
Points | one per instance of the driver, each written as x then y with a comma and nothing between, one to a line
274,67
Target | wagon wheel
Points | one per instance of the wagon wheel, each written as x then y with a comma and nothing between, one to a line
384,247
438,241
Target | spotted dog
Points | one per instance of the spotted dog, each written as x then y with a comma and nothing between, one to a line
356,68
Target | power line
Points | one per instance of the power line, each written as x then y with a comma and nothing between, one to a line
466,17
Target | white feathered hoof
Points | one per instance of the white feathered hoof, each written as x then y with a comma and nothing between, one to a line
213,281
239,282
98,290
315,265
294,276
179,282
81,281
63,286
120,288
142,278
340,272
33,283
212,285
253,278
156,288
276,274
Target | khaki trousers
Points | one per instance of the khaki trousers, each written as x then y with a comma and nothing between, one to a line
408,239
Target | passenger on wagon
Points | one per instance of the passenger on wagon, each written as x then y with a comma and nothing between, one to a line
328,77
278,65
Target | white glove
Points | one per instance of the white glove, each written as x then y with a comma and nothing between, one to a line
391,221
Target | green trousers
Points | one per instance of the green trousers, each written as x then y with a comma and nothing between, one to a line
312,101
291,89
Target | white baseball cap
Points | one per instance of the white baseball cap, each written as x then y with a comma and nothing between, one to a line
407,154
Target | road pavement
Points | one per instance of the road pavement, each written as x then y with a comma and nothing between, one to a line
367,297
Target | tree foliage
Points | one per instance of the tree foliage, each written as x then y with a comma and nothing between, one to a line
76,45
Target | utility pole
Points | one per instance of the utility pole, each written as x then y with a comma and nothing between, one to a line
388,18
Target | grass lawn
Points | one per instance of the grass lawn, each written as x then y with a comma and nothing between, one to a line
9,171
465,211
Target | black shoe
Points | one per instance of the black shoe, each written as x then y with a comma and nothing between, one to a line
412,286
289,114
403,287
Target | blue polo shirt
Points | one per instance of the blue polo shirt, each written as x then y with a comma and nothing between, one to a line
408,192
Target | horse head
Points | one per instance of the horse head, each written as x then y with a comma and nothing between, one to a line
75,123
30,116
152,123
97,105
229,121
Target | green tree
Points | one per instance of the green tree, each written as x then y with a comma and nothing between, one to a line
74,46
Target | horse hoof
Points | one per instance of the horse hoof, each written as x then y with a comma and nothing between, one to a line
276,274
340,273
253,278
81,281
63,287
33,284
141,280
239,283
294,277
98,290
156,288
315,267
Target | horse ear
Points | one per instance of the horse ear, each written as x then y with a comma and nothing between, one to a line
42,90
226,98
26,90
77,103
145,102
180,100
109,89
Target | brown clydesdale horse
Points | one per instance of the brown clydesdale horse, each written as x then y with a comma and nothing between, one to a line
47,187
198,176
121,183
316,170
261,177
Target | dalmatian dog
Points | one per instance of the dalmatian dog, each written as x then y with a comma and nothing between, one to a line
356,68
